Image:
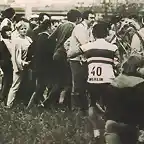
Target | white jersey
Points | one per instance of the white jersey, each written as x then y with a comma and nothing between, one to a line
100,58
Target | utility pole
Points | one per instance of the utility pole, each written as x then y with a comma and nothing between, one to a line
106,3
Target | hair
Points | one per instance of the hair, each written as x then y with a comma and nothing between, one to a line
4,30
73,14
21,23
100,30
86,13
8,13
115,19
24,19
41,16
131,65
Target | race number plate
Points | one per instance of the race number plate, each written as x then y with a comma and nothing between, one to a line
100,73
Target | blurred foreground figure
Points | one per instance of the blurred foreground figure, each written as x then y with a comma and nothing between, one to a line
125,106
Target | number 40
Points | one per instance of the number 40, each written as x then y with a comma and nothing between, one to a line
98,71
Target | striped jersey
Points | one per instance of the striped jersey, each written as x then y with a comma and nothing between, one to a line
100,57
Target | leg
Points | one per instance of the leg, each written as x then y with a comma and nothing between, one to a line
17,78
38,93
79,97
7,82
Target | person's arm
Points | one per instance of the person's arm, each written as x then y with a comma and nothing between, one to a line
80,50
135,44
73,54
18,57
81,35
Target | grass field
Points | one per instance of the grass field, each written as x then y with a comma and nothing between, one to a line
41,126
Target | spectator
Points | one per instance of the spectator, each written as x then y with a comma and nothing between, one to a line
19,56
100,56
62,71
39,28
43,62
8,16
80,35
5,61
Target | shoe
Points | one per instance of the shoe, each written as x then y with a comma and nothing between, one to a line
7,107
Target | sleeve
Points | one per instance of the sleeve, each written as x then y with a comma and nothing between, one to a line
85,47
67,44
115,47
81,34
3,23
73,53
18,56
6,22
136,43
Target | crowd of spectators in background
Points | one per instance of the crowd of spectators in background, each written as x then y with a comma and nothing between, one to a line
78,62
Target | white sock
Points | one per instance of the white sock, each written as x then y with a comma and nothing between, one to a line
96,133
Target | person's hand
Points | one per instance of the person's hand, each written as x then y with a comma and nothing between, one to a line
140,71
25,63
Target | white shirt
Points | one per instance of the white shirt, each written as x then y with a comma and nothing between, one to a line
6,22
80,35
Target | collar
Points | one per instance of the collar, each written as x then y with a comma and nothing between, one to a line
72,23
84,24
100,39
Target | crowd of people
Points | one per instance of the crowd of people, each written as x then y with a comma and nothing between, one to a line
80,63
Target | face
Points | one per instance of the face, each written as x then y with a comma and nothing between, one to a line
8,33
91,19
45,17
23,30
79,20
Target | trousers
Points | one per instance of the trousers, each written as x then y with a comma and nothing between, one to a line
17,79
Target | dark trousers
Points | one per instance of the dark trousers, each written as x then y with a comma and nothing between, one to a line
79,77
62,82
41,84
6,83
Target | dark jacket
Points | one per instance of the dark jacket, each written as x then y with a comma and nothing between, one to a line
126,105
5,57
43,55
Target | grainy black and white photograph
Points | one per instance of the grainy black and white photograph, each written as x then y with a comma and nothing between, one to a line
71,71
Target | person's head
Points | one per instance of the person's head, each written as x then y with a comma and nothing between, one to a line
115,19
131,64
6,32
9,13
89,17
46,25
74,16
22,28
100,30
42,17
33,21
